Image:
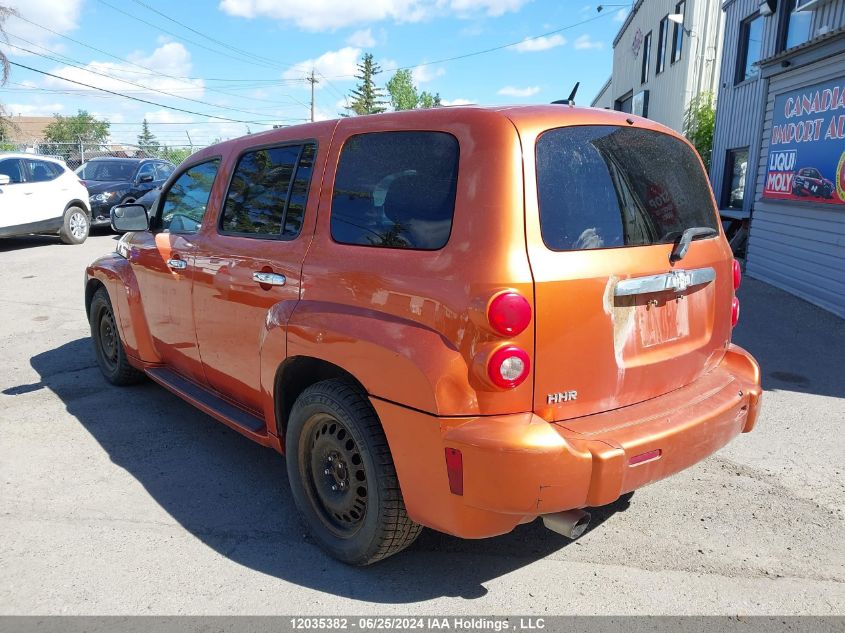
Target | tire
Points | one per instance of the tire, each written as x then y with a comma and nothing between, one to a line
108,348
334,438
76,226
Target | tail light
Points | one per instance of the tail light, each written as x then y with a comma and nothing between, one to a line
508,367
509,313
737,270
734,312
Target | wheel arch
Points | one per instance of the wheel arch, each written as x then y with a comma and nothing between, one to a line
78,203
293,376
91,287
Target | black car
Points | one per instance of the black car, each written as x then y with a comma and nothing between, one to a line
112,181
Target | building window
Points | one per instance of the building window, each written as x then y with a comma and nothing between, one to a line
733,189
795,26
624,103
678,34
646,57
750,48
662,39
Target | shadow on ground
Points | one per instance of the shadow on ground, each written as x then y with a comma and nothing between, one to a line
799,346
232,494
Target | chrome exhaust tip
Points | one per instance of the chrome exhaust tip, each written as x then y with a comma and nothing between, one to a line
571,523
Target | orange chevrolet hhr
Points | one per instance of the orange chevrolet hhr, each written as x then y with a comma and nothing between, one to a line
463,318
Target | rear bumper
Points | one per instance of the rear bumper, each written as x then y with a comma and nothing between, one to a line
516,467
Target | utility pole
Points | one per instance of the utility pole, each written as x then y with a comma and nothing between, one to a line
312,80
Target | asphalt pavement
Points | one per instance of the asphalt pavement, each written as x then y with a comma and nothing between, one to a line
130,501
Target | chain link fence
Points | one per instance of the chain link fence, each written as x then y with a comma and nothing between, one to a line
74,154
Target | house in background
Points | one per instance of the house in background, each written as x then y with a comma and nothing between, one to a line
666,53
26,130
779,147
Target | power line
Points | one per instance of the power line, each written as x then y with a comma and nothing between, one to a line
493,49
235,49
78,65
144,71
152,103
180,37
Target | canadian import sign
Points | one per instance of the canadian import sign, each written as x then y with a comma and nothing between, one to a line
807,148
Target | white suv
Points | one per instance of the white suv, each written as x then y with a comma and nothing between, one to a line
41,195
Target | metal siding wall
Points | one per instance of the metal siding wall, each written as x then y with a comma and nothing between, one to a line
799,247
738,107
831,14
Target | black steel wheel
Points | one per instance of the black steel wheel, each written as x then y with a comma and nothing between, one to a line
108,347
342,475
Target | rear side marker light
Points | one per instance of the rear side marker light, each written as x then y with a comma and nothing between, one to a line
737,273
455,470
734,312
508,367
509,313
645,457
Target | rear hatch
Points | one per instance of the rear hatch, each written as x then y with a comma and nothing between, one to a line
617,322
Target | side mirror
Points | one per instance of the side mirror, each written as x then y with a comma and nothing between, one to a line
145,178
129,217
4,179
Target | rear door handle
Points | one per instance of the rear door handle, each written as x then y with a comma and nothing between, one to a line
177,264
269,279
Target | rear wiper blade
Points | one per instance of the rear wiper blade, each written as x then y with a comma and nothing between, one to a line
682,245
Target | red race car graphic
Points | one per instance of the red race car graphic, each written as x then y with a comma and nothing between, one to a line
808,181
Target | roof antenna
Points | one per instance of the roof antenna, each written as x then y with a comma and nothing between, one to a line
570,100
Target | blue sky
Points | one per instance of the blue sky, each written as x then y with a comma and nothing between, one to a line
246,60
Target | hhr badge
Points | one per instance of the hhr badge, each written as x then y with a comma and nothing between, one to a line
561,396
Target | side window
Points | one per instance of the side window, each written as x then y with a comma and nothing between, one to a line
147,169
11,167
185,202
396,190
163,171
41,171
267,195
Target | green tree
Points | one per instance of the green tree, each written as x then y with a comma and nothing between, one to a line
428,100
82,127
403,92
699,125
146,138
367,97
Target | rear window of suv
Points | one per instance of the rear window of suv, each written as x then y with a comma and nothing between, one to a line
396,190
608,186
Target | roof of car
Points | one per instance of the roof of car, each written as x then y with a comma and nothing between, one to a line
52,159
523,117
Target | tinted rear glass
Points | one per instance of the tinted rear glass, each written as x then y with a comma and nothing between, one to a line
607,186
396,190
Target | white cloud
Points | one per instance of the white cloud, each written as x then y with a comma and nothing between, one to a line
169,59
332,64
490,7
424,74
512,91
34,109
327,15
61,17
620,15
585,43
540,43
457,102
362,39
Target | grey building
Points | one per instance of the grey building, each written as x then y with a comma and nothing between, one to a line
666,53
779,146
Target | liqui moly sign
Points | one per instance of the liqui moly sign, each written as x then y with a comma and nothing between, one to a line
806,158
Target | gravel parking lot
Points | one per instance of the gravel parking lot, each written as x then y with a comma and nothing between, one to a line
129,501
